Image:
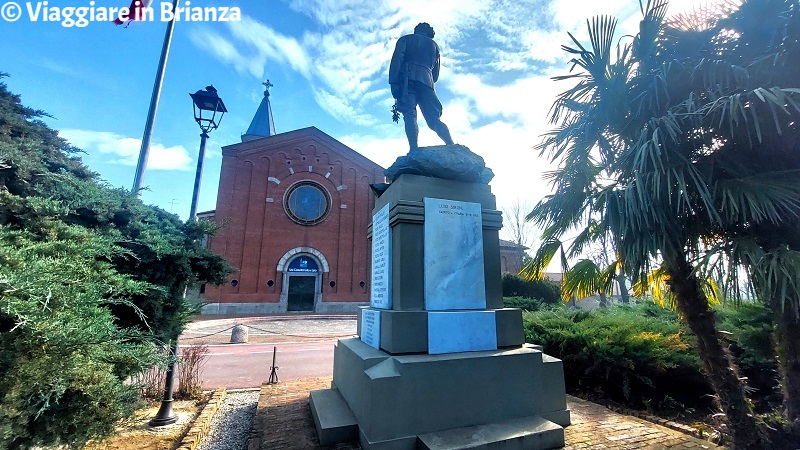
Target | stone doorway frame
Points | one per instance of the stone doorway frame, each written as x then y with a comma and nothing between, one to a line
283,266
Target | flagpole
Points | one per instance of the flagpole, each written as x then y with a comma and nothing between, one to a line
151,113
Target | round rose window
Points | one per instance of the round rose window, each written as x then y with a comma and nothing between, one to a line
307,203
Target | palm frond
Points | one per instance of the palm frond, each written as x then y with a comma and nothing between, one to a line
581,281
589,234
656,286
766,197
777,279
653,14
536,268
704,17
766,107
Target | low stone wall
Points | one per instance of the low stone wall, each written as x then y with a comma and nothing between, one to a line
202,423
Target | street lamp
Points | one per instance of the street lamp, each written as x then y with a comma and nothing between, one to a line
165,416
207,105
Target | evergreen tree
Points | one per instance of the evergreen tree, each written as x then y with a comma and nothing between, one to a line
92,281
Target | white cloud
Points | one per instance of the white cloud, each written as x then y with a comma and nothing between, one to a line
340,109
267,44
125,150
381,150
351,46
251,45
525,101
459,116
226,51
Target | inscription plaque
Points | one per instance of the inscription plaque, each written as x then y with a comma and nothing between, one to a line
454,277
371,327
381,287
461,331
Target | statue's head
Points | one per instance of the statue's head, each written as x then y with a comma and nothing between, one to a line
424,29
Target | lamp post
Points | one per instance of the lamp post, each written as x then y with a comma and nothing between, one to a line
165,416
206,106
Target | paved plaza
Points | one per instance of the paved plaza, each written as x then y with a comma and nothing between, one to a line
270,329
283,421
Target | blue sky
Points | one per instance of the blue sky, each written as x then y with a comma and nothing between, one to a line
328,61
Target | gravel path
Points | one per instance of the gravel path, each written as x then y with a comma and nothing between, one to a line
230,428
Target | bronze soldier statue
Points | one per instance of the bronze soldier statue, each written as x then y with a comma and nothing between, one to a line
412,72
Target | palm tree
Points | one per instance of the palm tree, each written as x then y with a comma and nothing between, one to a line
762,109
682,146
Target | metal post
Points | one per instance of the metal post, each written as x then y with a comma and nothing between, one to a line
273,372
165,416
198,176
151,113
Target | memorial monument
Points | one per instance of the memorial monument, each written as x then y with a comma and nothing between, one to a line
439,363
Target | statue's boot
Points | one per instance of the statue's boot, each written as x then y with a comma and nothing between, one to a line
444,133
412,130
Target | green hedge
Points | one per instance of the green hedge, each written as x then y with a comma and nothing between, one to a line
641,356
527,304
545,291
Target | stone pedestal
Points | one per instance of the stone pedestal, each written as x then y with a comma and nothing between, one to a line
439,363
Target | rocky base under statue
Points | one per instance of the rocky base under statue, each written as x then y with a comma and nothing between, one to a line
449,162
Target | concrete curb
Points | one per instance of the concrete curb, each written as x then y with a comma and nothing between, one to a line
199,428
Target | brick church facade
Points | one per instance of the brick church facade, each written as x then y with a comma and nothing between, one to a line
293,209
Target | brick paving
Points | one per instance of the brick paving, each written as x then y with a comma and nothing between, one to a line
597,427
283,421
283,418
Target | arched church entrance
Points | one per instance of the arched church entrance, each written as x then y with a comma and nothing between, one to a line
303,283
303,269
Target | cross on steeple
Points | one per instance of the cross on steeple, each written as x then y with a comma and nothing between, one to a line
262,124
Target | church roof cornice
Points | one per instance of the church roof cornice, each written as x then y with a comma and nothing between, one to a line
282,140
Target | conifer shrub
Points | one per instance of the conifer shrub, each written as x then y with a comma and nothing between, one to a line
641,356
628,354
527,304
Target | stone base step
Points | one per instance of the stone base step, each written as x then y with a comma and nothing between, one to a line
530,433
333,419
